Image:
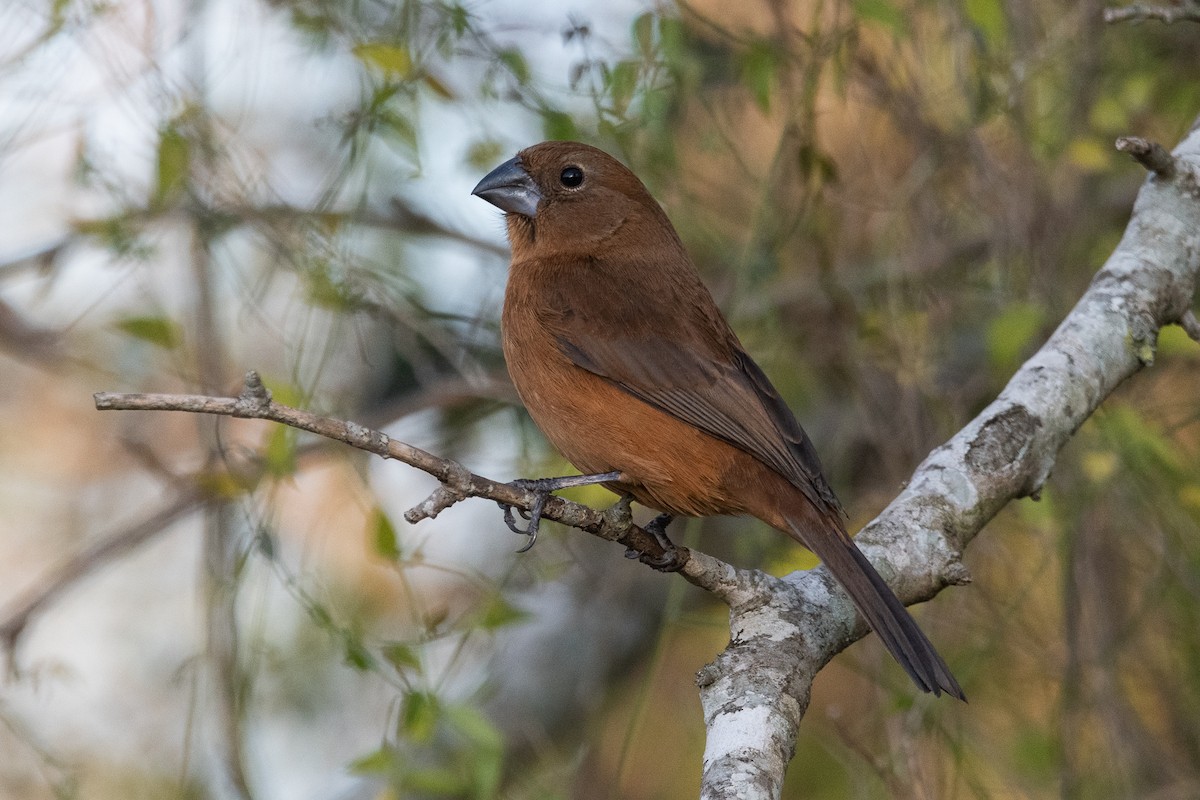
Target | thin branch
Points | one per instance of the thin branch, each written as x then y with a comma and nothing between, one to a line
1186,11
86,562
1151,155
457,482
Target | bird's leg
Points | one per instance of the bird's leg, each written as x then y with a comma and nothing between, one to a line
668,561
541,489
658,529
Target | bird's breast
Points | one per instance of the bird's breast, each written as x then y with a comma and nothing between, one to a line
599,427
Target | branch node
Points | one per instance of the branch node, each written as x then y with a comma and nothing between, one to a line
442,498
619,517
707,675
255,398
367,439
455,486
956,574
1151,155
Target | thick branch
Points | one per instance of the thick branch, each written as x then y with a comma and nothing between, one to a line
756,692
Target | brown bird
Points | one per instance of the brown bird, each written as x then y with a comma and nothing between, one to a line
624,361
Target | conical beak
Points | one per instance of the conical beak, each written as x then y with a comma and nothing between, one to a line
510,188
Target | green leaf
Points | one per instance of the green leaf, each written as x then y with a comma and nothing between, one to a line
643,35
356,653
883,12
1140,442
174,157
383,536
160,331
383,761
558,126
399,131
759,65
516,63
402,656
391,59
475,726
988,18
484,154
420,715
438,781
460,19
486,751
496,612
622,82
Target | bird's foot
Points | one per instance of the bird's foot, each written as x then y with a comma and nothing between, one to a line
542,488
670,560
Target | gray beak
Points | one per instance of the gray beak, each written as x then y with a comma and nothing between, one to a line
510,188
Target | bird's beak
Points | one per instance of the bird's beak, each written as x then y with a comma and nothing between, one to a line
510,188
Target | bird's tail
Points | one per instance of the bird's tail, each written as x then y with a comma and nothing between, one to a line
884,612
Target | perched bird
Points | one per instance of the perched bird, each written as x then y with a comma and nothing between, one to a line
623,359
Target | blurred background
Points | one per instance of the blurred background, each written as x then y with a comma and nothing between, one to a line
895,202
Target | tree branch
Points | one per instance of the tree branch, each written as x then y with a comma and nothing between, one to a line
1184,11
457,482
757,690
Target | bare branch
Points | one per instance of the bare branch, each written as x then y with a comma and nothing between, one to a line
458,483
1184,11
1151,155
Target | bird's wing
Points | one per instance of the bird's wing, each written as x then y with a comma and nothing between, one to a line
691,366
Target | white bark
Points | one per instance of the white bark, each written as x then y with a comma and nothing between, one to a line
784,630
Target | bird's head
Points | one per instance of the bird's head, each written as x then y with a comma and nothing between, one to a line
569,198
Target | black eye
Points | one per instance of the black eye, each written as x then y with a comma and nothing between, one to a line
571,177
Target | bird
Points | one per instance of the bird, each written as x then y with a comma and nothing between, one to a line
623,359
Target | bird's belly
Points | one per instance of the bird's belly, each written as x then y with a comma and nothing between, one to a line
666,463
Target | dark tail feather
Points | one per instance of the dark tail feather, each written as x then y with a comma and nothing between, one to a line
884,612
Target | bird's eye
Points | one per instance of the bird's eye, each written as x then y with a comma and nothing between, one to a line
571,177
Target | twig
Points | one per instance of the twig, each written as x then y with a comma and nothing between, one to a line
457,482
1138,12
1151,155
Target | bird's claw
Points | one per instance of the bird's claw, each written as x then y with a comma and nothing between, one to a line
534,514
541,489
672,559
